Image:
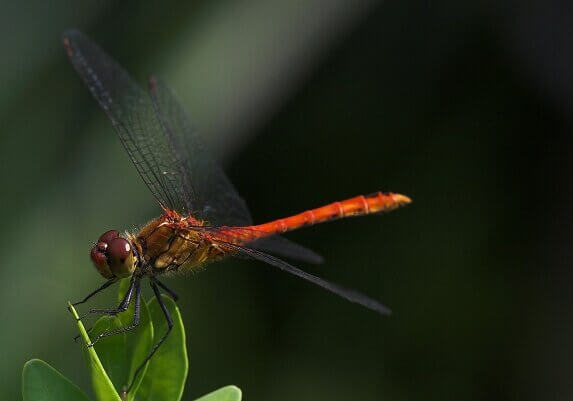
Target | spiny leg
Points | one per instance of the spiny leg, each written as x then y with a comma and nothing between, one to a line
101,288
154,285
136,316
122,307
168,290
91,294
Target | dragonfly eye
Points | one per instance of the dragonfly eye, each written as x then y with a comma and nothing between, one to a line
108,236
113,255
99,259
120,257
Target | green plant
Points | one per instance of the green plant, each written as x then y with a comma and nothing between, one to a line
113,362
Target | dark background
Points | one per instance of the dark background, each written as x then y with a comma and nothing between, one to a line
465,107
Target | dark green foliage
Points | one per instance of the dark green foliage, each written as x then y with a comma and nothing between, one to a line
41,382
114,360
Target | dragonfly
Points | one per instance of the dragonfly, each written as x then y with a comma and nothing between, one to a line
203,219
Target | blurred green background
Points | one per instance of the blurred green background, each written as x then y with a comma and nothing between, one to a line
465,107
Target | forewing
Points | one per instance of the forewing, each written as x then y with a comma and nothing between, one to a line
215,198
153,129
132,114
348,294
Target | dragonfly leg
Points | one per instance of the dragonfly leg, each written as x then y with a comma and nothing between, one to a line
134,322
154,285
91,294
122,307
168,290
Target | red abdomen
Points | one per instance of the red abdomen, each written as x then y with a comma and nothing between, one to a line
360,205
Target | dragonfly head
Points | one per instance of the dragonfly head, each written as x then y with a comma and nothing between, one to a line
113,255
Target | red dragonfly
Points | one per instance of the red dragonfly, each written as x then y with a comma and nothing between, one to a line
204,219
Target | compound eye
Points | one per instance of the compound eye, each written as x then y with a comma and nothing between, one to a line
120,257
118,250
99,259
108,236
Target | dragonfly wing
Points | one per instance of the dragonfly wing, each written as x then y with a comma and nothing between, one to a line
285,248
262,241
350,295
216,199
131,112
157,137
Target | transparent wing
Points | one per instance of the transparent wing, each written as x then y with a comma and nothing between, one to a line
274,244
262,241
215,198
348,294
132,114
285,248
155,133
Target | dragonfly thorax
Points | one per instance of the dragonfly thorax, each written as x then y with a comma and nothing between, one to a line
114,256
170,243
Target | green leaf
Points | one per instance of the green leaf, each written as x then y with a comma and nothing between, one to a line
123,353
122,288
41,382
167,370
227,393
102,385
